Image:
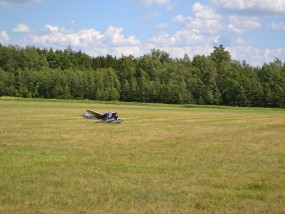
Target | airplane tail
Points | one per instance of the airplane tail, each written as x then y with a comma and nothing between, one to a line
87,116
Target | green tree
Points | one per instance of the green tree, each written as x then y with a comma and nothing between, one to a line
273,81
208,91
220,54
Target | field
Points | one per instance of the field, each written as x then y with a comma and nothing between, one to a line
161,159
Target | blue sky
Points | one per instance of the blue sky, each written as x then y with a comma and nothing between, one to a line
252,30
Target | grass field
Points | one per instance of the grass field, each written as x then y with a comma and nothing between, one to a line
161,159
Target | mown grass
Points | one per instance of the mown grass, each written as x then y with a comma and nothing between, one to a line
161,159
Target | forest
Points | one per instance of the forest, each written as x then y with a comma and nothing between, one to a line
216,79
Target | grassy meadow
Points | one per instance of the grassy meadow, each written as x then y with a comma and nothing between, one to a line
160,159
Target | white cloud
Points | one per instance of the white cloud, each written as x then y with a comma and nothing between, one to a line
54,36
203,19
4,38
148,3
199,33
276,26
91,41
54,28
185,37
180,51
241,24
261,7
179,18
204,12
21,28
114,36
242,50
10,2
202,29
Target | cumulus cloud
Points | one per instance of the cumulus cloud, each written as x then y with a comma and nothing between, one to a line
203,29
21,28
242,50
261,7
199,32
10,2
185,37
91,41
4,38
204,12
115,37
203,19
241,24
54,36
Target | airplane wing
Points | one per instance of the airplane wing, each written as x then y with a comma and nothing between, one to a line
94,113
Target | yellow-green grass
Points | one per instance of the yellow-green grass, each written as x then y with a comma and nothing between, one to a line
161,159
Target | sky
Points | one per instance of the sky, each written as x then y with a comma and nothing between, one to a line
251,30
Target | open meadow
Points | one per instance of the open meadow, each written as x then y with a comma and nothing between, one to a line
160,159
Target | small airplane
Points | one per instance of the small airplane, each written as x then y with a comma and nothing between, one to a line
107,117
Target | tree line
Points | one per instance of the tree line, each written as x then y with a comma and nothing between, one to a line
216,79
